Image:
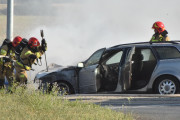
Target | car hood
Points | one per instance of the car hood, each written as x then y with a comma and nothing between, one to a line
52,68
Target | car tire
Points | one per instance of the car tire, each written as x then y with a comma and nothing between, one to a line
167,85
64,88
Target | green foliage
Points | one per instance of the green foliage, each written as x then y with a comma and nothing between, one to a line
26,104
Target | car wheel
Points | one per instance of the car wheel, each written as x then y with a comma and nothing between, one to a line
63,88
167,85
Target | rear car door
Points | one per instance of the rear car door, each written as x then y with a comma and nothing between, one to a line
124,78
88,74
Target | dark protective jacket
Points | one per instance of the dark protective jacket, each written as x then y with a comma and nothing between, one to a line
6,51
27,62
160,37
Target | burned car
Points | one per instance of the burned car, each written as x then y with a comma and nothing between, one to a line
136,67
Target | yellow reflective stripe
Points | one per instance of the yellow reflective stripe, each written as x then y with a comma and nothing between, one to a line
12,54
38,54
28,52
1,61
20,64
3,52
161,38
154,40
157,40
22,76
27,67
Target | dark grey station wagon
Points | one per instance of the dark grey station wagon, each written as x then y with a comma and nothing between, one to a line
133,67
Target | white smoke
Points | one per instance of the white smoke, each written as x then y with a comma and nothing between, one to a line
79,27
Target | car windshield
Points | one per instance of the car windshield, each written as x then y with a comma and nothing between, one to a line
115,58
95,57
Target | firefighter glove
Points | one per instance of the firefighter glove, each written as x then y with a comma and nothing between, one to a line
32,56
6,59
44,45
27,67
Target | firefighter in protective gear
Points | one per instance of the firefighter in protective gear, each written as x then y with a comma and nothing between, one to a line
6,64
160,33
32,52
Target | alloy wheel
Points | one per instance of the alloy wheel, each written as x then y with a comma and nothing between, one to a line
167,86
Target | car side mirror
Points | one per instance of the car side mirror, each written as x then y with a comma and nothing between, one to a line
80,65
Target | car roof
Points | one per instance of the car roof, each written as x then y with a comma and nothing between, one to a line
141,44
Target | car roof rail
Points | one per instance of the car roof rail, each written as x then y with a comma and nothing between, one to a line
130,44
173,42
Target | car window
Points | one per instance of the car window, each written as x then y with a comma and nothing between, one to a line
115,58
167,52
143,54
95,57
147,55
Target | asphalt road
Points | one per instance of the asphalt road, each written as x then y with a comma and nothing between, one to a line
141,106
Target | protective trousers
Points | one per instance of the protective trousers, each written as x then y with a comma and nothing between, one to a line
8,73
21,75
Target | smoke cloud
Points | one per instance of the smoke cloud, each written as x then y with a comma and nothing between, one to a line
74,29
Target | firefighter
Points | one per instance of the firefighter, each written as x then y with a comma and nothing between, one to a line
6,64
27,57
160,34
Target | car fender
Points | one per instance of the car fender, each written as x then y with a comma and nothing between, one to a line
164,69
68,75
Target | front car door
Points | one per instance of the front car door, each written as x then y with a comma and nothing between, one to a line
88,74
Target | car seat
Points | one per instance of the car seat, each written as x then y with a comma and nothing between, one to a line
137,64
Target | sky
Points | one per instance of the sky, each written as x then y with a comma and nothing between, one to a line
80,27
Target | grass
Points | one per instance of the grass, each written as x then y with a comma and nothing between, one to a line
33,105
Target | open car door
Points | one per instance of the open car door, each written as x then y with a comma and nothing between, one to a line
124,78
88,75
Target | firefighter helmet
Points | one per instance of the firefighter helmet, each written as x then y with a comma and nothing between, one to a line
159,26
16,41
33,42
